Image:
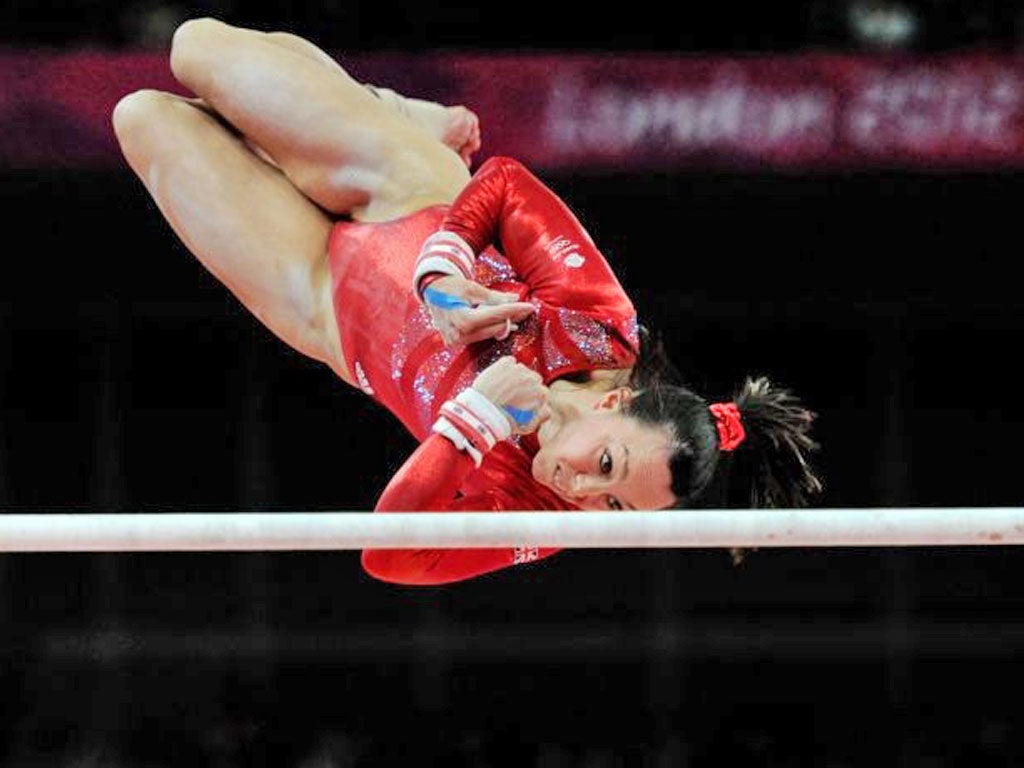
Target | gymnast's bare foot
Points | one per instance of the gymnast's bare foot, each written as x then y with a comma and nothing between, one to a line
456,127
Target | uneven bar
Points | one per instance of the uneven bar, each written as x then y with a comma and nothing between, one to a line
297,531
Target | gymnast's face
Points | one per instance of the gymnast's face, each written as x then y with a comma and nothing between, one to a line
604,460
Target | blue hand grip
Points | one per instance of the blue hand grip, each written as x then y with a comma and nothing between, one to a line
519,416
443,300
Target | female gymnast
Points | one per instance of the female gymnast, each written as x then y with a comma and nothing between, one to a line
475,308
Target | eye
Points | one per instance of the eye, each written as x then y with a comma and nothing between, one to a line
605,463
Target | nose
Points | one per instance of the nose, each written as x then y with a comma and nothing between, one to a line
584,484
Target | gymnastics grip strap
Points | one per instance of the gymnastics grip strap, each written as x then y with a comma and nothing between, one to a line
474,424
520,416
443,300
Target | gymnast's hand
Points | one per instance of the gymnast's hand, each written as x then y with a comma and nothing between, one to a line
463,311
518,391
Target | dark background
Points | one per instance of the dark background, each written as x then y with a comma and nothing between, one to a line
130,380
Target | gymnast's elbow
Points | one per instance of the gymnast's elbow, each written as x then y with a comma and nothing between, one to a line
500,163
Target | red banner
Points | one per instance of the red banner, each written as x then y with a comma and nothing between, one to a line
603,112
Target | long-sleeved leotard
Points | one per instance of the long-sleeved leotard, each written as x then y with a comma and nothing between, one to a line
584,321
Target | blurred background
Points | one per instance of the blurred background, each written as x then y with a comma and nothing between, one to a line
824,192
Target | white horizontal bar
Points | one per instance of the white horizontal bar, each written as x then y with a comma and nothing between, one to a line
249,531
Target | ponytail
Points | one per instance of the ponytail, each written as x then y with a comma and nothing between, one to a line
752,452
749,453
772,463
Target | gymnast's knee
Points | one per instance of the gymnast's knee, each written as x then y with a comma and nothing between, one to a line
193,43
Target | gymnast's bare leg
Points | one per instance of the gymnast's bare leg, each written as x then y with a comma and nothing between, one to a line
454,126
262,227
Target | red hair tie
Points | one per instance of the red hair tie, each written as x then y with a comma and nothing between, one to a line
730,428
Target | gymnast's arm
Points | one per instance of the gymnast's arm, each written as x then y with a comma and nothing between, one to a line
468,426
429,482
505,204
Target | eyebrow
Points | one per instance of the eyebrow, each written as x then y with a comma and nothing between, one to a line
625,472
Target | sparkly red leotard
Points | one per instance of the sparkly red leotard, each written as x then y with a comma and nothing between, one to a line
527,241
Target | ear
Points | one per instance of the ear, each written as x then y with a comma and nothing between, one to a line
615,399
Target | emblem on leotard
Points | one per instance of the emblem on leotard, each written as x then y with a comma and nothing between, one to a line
565,250
525,555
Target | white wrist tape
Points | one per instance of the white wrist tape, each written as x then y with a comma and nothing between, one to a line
446,253
444,427
472,426
487,411
473,423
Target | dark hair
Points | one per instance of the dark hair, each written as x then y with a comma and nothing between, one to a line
770,468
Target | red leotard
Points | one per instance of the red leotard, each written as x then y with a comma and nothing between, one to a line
527,241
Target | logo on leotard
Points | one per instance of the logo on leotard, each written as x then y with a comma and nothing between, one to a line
364,383
524,555
564,249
